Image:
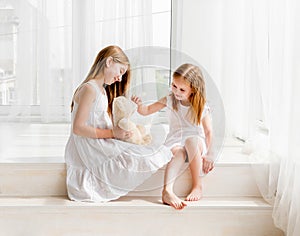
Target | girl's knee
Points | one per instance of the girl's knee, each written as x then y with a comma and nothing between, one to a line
177,149
179,152
193,141
193,144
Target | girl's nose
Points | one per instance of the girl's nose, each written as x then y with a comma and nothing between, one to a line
118,78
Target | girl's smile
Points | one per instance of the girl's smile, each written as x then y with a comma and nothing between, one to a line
181,89
114,73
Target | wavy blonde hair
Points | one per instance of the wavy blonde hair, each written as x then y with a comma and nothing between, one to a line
115,89
193,75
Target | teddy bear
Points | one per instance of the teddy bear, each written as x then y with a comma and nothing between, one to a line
123,109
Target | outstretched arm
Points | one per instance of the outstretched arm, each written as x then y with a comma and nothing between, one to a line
150,109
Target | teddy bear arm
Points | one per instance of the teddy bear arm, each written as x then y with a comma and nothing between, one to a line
142,129
126,124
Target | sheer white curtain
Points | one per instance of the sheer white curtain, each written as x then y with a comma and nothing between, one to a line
57,41
126,23
261,64
283,114
43,59
251,49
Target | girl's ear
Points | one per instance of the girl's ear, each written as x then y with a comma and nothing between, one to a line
109,61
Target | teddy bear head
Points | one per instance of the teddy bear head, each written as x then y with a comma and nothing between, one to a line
122,108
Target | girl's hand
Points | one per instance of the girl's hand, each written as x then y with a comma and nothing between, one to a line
119,133
208,165
136,100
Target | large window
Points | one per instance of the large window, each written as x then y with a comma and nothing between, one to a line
8,43
47,47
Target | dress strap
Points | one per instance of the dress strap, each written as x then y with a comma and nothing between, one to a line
95,86
99,94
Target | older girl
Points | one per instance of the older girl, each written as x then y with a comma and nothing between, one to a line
99,166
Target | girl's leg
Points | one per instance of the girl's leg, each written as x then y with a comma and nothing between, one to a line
171,173
194,149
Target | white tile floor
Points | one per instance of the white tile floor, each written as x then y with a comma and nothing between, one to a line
45,143
33,142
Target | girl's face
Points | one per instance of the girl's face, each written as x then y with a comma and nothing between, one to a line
181,89
114,72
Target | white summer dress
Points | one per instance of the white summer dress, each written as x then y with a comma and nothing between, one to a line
181,128
100,170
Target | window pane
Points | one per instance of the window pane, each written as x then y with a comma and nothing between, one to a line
8,42
44,45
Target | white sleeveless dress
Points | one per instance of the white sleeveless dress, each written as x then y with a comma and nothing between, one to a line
180,126
101,170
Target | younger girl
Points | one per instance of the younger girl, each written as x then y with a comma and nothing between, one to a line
190,132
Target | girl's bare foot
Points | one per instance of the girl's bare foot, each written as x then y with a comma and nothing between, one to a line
172,200
195,195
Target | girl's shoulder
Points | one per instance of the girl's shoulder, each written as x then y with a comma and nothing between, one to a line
206,110
168,99
85,92
92,85
206,106
87,88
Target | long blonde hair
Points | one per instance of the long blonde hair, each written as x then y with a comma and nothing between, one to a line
193,75
115,89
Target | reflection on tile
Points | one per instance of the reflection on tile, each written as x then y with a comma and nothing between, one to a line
32,143
39,143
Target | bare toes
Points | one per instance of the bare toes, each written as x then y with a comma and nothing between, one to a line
172,200
195,195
